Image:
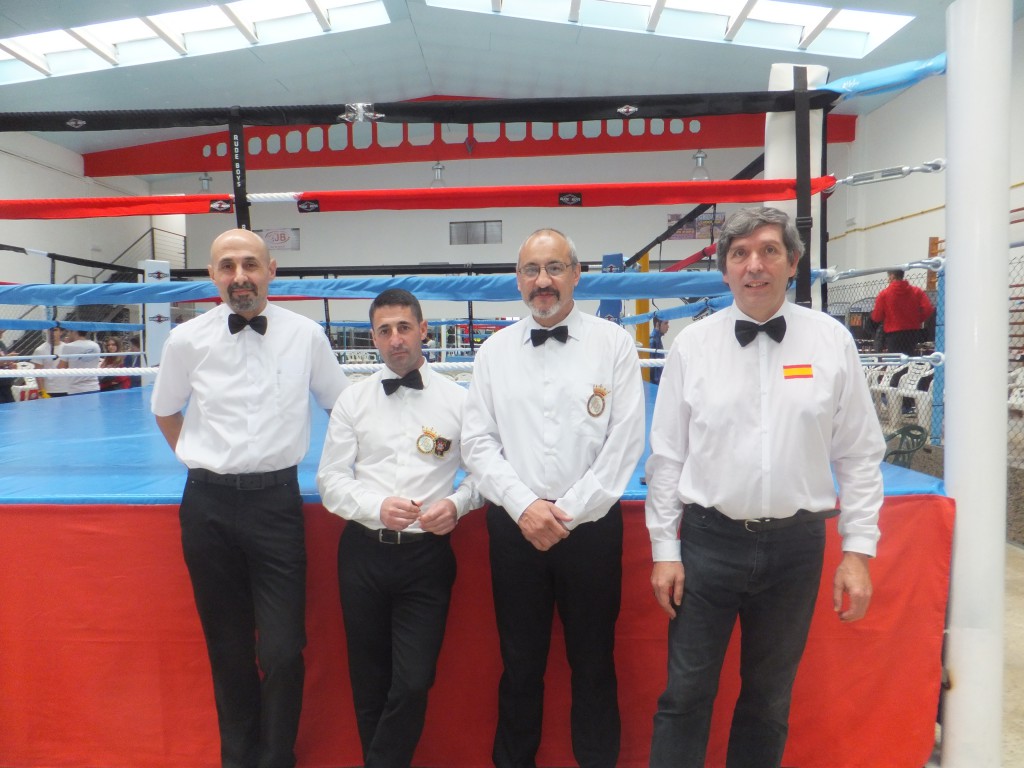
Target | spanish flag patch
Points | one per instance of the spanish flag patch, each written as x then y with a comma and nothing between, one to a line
797,371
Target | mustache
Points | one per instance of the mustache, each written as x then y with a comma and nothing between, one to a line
246,286
544,292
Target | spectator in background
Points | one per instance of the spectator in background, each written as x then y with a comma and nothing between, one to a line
902,310
658,343
52,386
133,361
107,383
80,352
6,395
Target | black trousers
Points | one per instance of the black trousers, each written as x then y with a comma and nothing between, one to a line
246,555
582,576
394,599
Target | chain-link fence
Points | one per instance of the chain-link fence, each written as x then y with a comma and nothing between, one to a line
904,393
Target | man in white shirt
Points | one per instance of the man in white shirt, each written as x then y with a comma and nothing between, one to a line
53,386
245,377
80,352
757,405
393,449
553,431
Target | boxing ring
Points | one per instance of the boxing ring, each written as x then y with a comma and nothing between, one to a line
104,661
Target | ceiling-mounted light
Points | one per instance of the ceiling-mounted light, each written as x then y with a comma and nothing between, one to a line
700,172
204,181
438,181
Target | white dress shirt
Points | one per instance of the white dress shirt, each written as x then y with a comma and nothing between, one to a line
563,422
81,353
757,431
407,444
54,384
247,395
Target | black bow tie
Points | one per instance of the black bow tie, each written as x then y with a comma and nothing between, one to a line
539,335
412,380
237,322
747,331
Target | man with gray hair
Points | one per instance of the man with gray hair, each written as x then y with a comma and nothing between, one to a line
757,406
553,430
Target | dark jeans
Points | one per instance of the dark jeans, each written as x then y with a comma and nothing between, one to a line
770,581
246,555
394,599
582,576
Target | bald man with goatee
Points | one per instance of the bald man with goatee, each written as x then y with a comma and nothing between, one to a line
245,370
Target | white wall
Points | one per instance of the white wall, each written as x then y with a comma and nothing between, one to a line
32,168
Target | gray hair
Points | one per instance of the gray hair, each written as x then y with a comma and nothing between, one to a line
573,258
745,221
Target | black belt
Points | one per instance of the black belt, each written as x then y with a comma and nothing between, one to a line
252,481
388,536
759,524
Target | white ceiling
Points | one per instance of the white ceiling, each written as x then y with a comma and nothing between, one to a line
425,51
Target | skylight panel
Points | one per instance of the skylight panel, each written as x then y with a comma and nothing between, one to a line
43,43
210,28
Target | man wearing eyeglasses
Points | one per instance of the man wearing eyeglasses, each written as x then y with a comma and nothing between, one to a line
553,429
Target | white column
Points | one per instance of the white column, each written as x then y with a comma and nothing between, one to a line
156,317
977,243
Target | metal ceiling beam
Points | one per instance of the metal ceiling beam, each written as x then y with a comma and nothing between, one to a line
175,41
106,52
737,21
655,16
25,56
822,25
246,27
317,9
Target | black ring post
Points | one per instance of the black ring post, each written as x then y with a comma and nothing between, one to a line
804,220
238,168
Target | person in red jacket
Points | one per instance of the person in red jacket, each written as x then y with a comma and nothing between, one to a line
902,309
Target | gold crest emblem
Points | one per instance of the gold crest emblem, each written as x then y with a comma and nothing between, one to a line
425,443
596,403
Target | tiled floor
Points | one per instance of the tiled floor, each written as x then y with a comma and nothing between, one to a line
1013,675
1013,666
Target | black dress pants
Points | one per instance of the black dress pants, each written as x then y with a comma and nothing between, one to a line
246,555
582,576
394,600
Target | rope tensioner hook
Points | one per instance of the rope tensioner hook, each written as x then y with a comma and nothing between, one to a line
888,174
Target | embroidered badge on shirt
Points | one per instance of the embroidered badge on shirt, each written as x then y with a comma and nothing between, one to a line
431,442
426,442
595,405
803,371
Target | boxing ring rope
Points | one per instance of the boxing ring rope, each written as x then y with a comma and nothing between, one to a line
533,196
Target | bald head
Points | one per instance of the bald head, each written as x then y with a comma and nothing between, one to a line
241,267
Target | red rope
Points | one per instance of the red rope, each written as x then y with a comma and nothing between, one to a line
565,195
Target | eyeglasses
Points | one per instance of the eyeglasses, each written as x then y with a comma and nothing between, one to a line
553,268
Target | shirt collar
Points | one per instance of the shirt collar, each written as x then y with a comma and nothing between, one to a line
739,315
572,320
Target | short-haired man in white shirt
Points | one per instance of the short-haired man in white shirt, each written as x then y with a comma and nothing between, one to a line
52,386
553,431
758,405
80,351
389,463
245,371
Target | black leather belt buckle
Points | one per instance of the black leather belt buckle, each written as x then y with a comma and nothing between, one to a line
760,524
387,536
252,482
